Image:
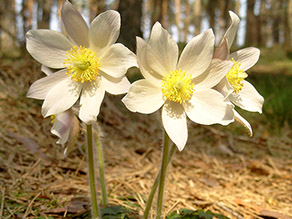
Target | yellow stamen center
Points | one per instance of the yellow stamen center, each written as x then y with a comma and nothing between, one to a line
52,118
82,64
235,76
177,86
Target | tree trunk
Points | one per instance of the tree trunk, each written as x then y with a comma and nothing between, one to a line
289,22
92,9
44,20
164,19
211,7
187,20
276,26
156,12
251,25
197,16
131,13
178,17
263,23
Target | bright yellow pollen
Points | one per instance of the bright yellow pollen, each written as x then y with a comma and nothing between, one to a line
177,86
52,118
82,64
235,76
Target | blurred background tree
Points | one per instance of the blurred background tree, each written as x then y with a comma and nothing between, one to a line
264,23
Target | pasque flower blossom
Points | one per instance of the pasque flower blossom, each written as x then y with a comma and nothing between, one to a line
89,63
234,86
182,87
65,124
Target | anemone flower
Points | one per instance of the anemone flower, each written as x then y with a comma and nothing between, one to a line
89,63
65,124
234,86
182,87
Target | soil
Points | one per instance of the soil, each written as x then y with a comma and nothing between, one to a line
221,169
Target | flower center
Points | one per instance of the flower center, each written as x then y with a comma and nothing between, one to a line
235,76
82,64
52,119
177,86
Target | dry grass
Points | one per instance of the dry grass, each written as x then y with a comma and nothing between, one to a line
227,173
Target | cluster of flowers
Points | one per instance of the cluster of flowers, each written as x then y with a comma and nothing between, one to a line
202,84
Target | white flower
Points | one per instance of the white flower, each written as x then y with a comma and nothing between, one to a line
182,87
65,124
233,86
89,63
66,127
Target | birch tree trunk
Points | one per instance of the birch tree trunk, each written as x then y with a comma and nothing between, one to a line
187,19
197,16
178,17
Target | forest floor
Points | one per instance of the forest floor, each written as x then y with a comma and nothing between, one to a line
221,169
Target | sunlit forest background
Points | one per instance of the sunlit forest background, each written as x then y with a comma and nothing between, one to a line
221,168
264,23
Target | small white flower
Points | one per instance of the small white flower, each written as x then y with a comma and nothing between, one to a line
182,87
65,124
233,86
66,128
89,63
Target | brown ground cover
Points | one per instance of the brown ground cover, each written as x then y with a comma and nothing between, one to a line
220,169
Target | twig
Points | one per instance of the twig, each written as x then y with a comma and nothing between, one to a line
2,202
172,207
229,210
30,204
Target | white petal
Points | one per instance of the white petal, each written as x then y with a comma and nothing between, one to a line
115,85
243,122
116,60
46,70
224,87
145,69
213,75
143,97
222,51
74,24
175,123
248,98
248,57
90,101
61,126
61,97
104,31
48,47
162,51
198,53
40,88
232,29
208,107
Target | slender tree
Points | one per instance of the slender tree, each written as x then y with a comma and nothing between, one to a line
197,16
277,20
44,17
130,27
178,17
251,24
187,19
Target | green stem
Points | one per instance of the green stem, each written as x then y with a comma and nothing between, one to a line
91,172
155,185
101,170
162,175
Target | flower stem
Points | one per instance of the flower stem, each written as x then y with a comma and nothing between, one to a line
162,175
155,184
101,170
91,172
